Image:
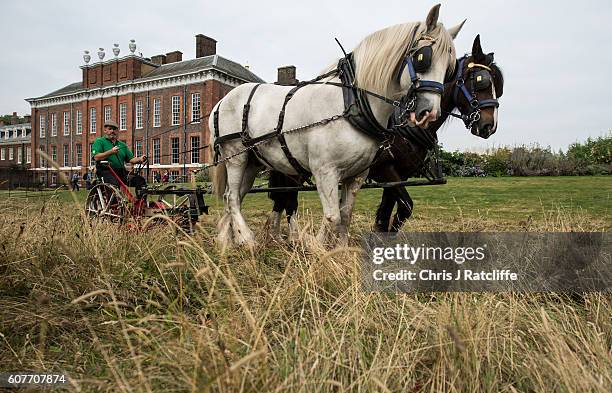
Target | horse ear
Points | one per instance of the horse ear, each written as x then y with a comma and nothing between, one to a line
477,53
454,31
490,58
432,17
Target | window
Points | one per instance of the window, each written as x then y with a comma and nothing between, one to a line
176,110
156,112
66,123
195,149
174,176
19,155
43,125
108,112
43,162
54,153
11,156
139,114
79,154
92,121
195,108
3,154
156,151
91,158
28,155
175,150
123,117
23,133
138,148
54,124
66,158
79,123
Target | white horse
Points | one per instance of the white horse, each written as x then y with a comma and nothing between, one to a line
335,152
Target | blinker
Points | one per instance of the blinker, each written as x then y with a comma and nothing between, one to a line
482,80
422,59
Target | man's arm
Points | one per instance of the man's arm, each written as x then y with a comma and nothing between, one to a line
137,160
106,154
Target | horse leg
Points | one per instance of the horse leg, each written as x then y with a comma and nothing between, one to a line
291,207
236,169
404,208
327,186
347,203
385,209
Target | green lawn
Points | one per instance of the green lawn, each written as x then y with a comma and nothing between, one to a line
505,200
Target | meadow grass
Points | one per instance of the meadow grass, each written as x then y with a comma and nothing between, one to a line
161,310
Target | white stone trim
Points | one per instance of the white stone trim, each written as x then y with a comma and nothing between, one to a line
138,86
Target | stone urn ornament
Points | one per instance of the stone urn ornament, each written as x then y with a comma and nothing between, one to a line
101,53
132,46
116,50
86,57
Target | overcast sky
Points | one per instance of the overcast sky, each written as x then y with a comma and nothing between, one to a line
556,55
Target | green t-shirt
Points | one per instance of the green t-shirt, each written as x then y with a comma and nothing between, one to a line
117,160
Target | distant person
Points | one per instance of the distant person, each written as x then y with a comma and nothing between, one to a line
157,177
75,182
165,177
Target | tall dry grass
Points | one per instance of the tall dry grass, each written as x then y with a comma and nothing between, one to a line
120,310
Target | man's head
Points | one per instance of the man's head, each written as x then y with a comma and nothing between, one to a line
110,129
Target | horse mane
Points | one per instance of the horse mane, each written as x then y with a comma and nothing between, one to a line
378,56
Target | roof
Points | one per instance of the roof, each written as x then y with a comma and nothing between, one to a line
181,67
71,88
214,61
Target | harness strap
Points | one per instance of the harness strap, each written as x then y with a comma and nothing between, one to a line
247,141
281,138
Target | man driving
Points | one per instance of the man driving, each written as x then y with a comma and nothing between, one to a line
108,148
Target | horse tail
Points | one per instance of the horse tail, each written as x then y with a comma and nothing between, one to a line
218,173
218,177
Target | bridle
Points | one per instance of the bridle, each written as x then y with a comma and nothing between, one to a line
422,57
475,105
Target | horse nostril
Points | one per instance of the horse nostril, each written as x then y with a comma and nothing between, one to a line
422,114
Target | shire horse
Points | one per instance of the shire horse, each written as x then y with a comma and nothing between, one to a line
478,106
327,144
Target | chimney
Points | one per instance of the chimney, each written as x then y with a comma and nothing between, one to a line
159,59
173,57
14,118
205,46
27,119
286,76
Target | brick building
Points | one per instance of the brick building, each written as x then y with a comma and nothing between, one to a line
15,146
161,105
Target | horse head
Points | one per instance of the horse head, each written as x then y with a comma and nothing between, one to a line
428,62
479,83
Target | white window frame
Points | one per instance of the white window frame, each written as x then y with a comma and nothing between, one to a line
156,151
92,120
196,105
108,112
123,117
42,126
138,148
139,122
156,112
79,122
19,155
78,155
195,150
11,153
176,111
178,150
3,154
28,155
66,123
54,124
54,153
66,155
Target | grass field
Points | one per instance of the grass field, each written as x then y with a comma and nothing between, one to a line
121,310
